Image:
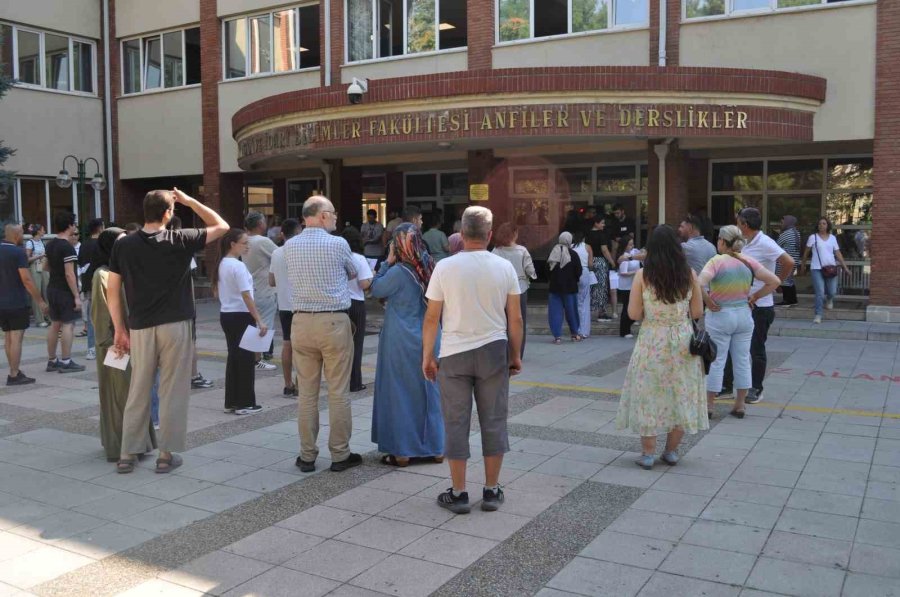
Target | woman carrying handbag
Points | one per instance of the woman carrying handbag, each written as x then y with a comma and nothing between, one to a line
823,269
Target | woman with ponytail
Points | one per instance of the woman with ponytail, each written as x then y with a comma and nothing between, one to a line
407,423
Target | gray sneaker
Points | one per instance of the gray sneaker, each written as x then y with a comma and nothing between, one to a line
753,396
52,366
70,367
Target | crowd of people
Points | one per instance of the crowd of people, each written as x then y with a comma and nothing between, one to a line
453,330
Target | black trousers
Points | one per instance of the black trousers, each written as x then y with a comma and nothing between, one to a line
762,321
625,322
358,319
240,372
789,295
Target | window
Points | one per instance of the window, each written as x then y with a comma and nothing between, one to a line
384,28
48,60
260,197
526,19
161,61
273,42
695,9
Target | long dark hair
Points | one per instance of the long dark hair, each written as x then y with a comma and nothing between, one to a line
621,244
574,225
231,237
666,270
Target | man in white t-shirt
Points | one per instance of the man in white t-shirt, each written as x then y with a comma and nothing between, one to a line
767,252
475,296
278,279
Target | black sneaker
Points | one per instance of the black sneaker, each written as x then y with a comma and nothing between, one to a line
305,466
725,393
349,462
491,499
456,504
70,367
248,410
290,391
53,365
200,383
753,396
19,380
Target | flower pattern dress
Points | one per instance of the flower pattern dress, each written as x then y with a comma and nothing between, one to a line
664,385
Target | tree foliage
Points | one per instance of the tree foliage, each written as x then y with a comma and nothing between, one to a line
6,176
421,17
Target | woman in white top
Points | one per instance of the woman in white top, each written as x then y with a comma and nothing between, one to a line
823,269
233,285
505,246
357,313
35,251
628,267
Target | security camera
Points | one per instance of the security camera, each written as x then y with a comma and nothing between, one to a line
356,90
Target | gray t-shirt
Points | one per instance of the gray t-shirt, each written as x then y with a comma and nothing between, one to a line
258,260
698,251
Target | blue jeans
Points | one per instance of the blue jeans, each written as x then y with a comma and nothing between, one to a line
731,329
823,287
558,304
154,400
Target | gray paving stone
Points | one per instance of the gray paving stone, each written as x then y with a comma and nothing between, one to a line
273,545
365,500
12,546
776,460
821,501
590,454
106,540
282,582
807,549
555,485
878,532
217,498
618,475
769,495
523,460
384,534
703,468
563,467
722,535
157,587
165,518
216,573
488,525
702,486
885,474
421,511
539,446
172,487
262,481
522,503
792,578
765,476
817,524
21,511
667,585
405,577
58,526
351,591
630,550
323,521
883,491
864,585
745,513
887,510
845,447
785,447
40,565
872,559
715,565
652,524
216,471
590,577
553,593
402,482
451,549
336,560
669,502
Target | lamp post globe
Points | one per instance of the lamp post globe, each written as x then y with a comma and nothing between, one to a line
98,182
63,180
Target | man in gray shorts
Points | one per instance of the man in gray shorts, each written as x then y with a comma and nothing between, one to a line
475,295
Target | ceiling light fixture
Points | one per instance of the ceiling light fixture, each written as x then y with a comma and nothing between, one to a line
302,49
445,144
446,26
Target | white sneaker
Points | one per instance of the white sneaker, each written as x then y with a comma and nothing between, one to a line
829,304
90,355
629,335
250,410
263,365
817,319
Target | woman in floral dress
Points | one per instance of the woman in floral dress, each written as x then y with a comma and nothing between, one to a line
664,386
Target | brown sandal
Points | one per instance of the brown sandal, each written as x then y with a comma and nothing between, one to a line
167,465
392,460
124,466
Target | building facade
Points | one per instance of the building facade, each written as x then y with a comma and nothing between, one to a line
531,107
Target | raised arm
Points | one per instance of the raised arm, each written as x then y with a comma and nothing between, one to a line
216,226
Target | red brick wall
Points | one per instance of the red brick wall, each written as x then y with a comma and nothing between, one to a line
210,72
349,202
697,183
337,40
484,168
480,38
885,281
673,27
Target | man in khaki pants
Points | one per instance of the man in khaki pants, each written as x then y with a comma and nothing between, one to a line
319,266
154,265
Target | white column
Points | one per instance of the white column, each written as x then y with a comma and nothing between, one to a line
662,150
326,170
663,18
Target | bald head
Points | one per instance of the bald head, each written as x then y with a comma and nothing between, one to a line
12,233
318,212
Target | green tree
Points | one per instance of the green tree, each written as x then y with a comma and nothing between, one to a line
515,22
420,36
6,176
704,8
589,15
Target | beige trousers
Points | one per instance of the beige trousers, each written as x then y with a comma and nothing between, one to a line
323,340
168,347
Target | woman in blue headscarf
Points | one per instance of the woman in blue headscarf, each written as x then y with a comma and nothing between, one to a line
406,415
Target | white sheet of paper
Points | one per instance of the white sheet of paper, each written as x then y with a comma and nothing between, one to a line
372,262
253,342
115,362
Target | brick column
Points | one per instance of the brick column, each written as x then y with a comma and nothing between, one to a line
484,168
885,281
673,26
337,39
480,27
394,192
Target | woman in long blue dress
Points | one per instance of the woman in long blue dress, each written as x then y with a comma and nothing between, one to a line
407,423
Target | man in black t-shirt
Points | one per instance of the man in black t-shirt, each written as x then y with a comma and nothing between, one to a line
16,282
62,295
621,225
153,265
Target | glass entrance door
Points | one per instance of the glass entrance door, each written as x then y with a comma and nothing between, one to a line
298,191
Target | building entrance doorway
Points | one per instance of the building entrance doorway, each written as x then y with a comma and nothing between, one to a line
298,191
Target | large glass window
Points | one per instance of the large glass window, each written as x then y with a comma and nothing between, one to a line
33,201
274,42
694,9
163,61
524,19
48,60
403,27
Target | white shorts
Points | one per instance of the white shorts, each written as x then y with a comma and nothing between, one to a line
613,280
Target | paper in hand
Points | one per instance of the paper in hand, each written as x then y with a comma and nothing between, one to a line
253,342
115,362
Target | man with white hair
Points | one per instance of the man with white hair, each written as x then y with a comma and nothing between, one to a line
318,267
258,260
475,295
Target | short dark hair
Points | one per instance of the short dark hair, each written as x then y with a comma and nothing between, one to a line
372,212
95,225
174,223
411,212
253,219
132,227
617,207
353,238
693,221
62,220
156,204
751,218
289,227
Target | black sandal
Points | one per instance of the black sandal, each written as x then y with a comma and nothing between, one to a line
391,460
737,414
426,460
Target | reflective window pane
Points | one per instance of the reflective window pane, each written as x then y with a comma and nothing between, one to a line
131,65
29,46
82,67
34,201
6,50
794,174
850,173
455,184
616,178
589,15
703,8
806,208
726,207
632,12
573,180
737,176
260,45
741,5
420,26
793,3
421,185
173,60
515,20
452,26
854,241
309,37
152,66
359,29
236,48
192,56
56,61
284,26
551,18
853,209
531,182
390,27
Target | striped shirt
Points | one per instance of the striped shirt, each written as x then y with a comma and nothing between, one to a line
318,267
730,280
789,240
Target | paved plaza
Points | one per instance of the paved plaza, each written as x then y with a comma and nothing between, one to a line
802,497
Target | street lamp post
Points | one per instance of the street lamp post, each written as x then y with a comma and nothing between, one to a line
64,181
